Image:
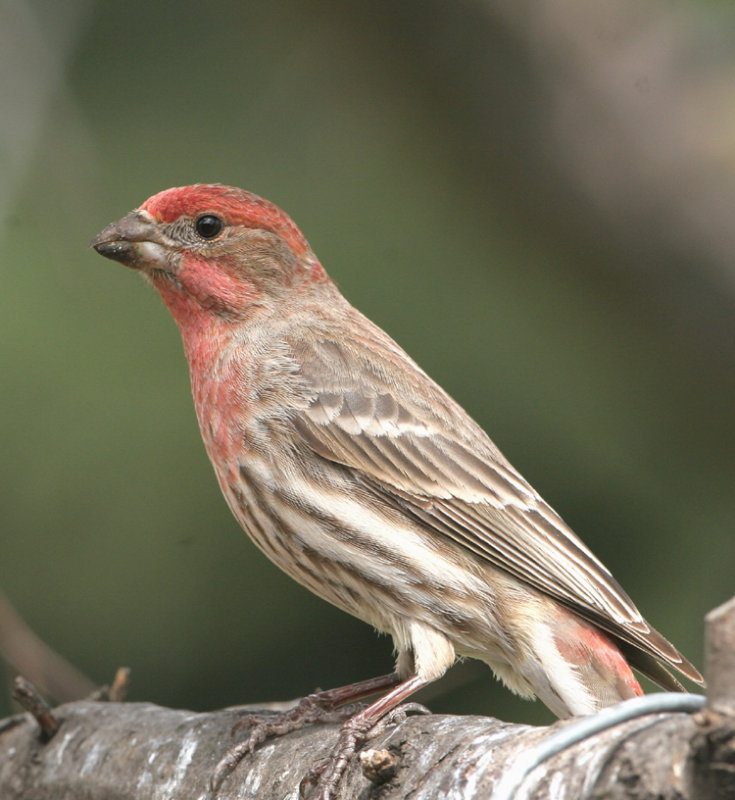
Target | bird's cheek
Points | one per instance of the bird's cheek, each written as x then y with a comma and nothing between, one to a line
214,286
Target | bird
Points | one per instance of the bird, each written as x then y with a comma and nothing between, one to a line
363,480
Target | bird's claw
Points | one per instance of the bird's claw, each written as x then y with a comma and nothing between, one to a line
322,780
310,709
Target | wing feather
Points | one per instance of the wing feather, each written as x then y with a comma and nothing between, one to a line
412,445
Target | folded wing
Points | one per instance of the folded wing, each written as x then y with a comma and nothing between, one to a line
413,446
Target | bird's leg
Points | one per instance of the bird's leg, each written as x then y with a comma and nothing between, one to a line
327,706
326,775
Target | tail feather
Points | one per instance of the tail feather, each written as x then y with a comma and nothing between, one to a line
647,665
576,668
647,653
645,648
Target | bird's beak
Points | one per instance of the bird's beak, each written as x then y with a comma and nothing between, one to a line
135,240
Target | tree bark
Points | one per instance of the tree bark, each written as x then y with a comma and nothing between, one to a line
138,751
126,751
95,750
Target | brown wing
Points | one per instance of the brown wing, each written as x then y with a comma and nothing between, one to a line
411,444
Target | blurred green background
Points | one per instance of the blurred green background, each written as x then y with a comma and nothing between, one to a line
536,202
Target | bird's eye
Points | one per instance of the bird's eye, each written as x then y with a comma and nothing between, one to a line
208,226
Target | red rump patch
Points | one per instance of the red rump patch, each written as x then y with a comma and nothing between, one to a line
582,643
234,206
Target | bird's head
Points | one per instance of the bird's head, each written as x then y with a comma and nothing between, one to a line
215,249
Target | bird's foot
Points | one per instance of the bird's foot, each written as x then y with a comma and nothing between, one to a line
333,705
322,780
317,707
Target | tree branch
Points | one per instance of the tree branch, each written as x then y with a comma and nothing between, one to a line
139,751
28,655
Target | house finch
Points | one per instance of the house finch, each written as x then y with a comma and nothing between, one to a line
365,482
